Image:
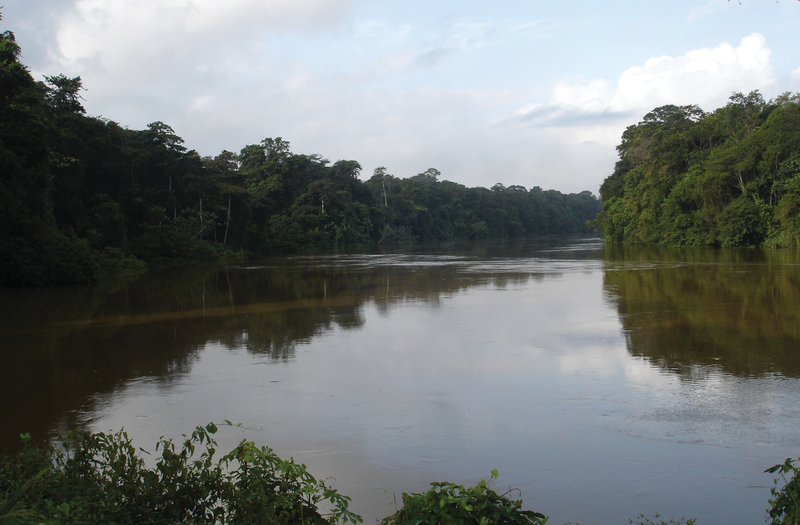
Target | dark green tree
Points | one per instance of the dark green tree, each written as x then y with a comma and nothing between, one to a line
688,178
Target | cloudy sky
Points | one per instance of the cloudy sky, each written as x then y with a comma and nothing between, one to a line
515,91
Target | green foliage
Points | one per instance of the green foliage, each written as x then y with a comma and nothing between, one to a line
63,94
161,245
102,478
33,250
741,223
448,503
46,257
689,178
267,489
114,262
785,505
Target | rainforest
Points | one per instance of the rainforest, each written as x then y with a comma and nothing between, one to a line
83,196
728,178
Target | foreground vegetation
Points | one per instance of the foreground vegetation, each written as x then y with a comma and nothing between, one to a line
82,195
447,503
102,478
727,178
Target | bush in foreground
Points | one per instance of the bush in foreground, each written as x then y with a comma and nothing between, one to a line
101,478
448,503
785,507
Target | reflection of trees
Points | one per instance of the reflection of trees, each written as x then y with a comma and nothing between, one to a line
734,310
52,360
61,347
276,308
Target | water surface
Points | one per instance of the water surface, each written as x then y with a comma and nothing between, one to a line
602,382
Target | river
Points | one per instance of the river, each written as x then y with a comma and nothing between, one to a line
602,382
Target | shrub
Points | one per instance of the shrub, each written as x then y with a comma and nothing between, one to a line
448,503
785,507
102,478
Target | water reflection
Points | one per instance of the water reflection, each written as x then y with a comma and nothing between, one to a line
693,311
63,346
652,373
688,311
54,362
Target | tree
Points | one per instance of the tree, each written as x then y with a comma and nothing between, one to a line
161,134
690,178
63,95
381,176
32,249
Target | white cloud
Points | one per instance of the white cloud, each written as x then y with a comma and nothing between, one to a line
135,33
702,76
142,61
706,77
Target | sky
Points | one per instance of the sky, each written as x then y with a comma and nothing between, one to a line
520,92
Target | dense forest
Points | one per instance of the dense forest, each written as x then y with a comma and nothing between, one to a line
728,178
82,195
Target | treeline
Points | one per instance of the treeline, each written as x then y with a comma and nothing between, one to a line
81,195
728,178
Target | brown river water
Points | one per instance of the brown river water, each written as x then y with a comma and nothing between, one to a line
602,382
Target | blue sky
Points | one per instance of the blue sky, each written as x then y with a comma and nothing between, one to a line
518,92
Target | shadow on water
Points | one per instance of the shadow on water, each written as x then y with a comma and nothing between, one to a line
694,310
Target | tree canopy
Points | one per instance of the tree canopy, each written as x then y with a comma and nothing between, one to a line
727,178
